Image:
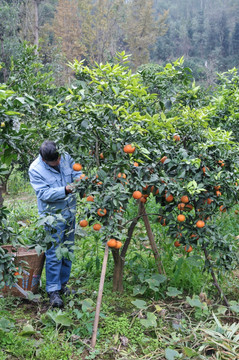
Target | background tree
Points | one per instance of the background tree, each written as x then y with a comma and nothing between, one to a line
142,29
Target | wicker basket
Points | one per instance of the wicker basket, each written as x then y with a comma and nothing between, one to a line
32,265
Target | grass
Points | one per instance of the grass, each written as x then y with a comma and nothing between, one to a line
179,317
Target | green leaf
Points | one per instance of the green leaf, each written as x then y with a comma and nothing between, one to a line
63,320
150,321
170,354
172,291
27,330
138,289
189,352
140,304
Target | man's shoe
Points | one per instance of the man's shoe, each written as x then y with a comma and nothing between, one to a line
55,299
66,291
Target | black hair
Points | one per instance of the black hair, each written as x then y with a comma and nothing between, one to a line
48,151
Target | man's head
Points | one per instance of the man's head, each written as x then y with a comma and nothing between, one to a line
49,153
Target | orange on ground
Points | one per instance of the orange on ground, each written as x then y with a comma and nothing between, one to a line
129,149
90,198
184,199
181,218
163,159
177,243
101,212
188,248
137,194
169,198
97,227
83,223
77,167
111,243
200,223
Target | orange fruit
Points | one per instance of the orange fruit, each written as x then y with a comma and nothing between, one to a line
236,212
111,243
176,137
181,218
77,167
152,189
181,206
193,236
143,199
90,198
200,224
136,164
218,193
217,187
121,175
222,208
188,248
163,159
221,162
137,194
118,244
145,187
101,212
83,223
169,198
177,243
102,156
188,207
129,149
83,176
184,199
97,227
209,201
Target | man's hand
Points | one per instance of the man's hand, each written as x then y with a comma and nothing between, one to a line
68,189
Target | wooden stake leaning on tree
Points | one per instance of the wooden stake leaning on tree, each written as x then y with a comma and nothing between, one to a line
99,298
151,238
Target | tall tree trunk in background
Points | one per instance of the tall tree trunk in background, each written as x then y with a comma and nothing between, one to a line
36,27
3,57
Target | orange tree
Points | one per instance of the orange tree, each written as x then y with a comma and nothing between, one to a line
173,154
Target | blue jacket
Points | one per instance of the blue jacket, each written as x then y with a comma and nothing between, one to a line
49,185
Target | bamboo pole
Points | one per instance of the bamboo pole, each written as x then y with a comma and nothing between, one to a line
99,298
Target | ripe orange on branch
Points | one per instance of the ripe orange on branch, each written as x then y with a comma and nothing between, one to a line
90,198
184,199
188,248
129,149
97,227
77,167
83,223
200,224
169,198
181,218
137,194
176,137
118,244
163,159
101,212
111,243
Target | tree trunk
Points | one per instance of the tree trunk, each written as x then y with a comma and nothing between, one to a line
36,30
118,271
1,198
